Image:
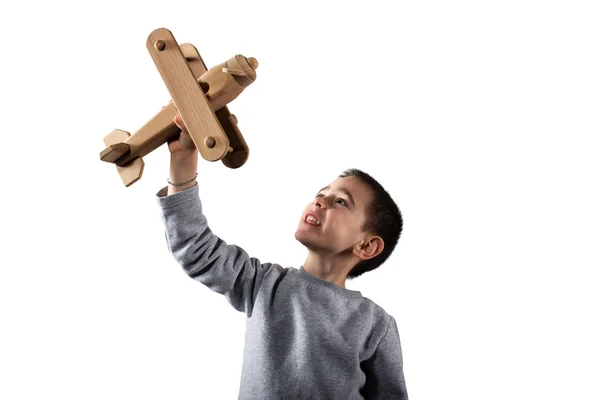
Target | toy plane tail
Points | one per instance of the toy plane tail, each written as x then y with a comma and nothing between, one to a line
116,148
113,152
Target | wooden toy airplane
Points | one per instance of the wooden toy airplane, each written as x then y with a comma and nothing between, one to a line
200,96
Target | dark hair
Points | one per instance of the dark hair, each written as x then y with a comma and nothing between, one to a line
383,218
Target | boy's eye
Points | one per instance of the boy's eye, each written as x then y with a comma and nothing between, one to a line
343,202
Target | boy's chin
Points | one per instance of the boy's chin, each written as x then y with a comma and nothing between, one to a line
299,237
302,238
310,243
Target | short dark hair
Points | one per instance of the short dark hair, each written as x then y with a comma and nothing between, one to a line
383,218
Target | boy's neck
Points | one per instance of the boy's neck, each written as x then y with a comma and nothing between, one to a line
327,268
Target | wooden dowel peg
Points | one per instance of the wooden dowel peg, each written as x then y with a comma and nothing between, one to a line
210,142
160,45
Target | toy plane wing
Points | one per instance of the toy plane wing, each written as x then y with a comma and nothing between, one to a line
197,114
239,154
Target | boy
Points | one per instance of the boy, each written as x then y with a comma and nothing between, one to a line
307,336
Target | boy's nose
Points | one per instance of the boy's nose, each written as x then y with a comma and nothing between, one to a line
320,202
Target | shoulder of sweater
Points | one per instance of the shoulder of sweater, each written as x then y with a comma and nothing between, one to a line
376,306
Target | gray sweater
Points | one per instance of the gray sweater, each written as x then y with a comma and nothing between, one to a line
306,338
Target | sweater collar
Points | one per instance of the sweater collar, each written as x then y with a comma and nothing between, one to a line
329,285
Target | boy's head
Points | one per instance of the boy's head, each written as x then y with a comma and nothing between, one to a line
353,217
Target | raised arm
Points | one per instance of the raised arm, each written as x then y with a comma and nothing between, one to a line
225,269
184,160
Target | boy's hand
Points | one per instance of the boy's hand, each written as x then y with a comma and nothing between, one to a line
183,143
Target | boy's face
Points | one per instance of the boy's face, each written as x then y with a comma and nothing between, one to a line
340,212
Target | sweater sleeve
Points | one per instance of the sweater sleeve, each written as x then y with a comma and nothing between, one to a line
225,269
384,370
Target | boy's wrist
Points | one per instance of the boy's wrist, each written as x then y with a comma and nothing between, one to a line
182,183
177,184
185,155
183,171
184,161
176,189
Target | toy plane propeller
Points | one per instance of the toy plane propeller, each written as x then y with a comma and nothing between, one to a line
200,96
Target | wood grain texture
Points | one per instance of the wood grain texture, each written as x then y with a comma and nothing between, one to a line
187,95
238,154
159,130
192,56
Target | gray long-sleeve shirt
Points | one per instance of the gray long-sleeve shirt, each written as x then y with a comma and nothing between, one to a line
306,338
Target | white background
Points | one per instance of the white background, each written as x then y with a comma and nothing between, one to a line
480,118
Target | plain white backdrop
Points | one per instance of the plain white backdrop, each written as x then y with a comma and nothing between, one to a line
480,118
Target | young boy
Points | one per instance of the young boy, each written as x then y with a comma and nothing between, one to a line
307,336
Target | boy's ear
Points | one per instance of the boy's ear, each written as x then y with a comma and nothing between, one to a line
371,247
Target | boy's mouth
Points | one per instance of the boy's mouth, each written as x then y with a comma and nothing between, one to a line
312,219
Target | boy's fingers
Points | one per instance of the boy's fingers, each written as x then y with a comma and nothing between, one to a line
179,123
186,141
